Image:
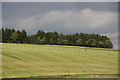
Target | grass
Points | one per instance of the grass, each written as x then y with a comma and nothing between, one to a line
26,60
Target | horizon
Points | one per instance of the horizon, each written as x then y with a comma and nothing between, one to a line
63,17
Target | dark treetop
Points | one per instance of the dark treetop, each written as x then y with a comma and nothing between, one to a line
54,38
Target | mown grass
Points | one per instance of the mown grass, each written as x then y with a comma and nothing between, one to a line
26,60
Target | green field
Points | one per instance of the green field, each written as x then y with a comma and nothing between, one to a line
28,60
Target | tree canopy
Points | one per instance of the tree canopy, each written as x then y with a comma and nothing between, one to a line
54,38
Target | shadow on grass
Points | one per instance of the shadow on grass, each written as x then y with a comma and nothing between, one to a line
14,57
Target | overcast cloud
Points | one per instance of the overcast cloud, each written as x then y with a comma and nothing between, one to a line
67,18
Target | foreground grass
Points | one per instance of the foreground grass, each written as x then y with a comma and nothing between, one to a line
26,60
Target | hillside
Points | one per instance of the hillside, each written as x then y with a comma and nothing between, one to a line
26,60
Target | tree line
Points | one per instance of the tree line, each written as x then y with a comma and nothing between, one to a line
55,38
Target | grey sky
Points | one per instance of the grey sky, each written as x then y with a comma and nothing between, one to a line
63,17
59,0
0,14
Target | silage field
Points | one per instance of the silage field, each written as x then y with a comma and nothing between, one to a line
28,60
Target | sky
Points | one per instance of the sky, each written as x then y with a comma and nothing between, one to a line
60,0
63,17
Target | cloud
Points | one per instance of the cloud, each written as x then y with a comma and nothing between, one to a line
86,18
79,19
114,38
69,21
112,35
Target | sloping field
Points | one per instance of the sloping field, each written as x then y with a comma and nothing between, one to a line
26,60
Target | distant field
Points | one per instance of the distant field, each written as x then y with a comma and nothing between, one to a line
28,60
